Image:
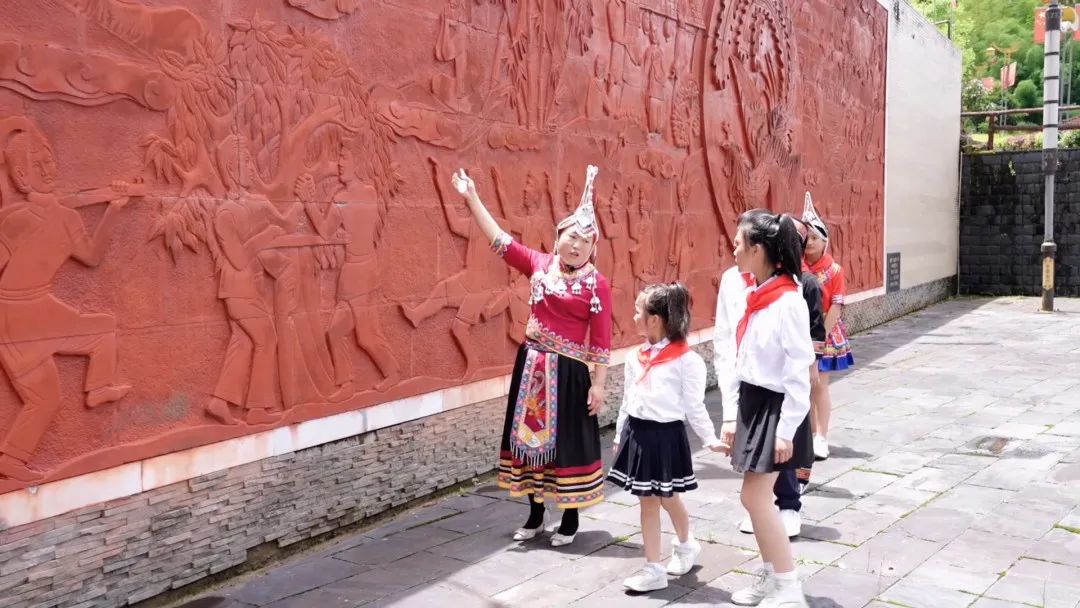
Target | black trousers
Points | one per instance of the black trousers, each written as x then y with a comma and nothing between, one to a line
787,492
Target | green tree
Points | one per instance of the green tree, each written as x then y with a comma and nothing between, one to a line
1026,95
935,10
990,34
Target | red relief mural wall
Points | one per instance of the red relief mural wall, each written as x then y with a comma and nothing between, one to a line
213,223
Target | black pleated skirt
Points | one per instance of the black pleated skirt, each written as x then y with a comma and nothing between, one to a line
755,434
654,459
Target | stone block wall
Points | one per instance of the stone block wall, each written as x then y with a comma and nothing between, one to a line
1001,224
128,550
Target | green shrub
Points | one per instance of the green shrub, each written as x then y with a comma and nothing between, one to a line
1019,143
1071,139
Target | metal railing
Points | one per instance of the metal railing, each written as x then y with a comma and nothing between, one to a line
993,126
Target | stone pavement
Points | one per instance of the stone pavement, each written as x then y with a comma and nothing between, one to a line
954,481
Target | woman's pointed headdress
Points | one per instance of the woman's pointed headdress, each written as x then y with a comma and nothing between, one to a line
583,220
811,218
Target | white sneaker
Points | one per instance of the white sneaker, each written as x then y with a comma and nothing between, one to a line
755,593
792,522
786,594
821,447
747,525
530,533
651,577
684,556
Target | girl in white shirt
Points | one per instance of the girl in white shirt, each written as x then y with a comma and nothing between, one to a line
772,354
664,385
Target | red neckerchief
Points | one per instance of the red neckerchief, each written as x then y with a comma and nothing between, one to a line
760,299
748,278
670,352
820,266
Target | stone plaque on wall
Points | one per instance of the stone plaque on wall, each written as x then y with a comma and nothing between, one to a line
892,272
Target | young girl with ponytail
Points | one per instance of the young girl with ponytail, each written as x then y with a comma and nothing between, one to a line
772,355
664,385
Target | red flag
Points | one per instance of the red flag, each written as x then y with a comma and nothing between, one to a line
1040,26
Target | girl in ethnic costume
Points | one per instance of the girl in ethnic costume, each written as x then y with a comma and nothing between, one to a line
771,361
664,384
551,437
835,353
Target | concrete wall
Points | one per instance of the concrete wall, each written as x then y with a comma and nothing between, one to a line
922,147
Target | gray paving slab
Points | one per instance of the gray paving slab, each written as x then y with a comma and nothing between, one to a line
1037,582
1059,546
913,592
893,554
859,483
297,578
844,588
985,602
895,501
392,548
850,526
974,500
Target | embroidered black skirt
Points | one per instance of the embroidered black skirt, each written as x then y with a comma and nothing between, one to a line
574,476
654,459
755,434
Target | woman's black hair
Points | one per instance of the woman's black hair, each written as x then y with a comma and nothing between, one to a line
671,302
779,236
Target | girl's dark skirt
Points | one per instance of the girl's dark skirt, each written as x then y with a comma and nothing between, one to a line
574,477
755,434
654,459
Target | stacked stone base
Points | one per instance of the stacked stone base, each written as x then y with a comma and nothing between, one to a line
128,550
863,315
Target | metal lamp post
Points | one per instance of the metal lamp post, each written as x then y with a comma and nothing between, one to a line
1051,91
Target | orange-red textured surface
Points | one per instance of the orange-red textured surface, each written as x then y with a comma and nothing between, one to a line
216,222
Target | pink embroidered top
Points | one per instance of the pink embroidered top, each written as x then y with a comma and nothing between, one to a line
571,312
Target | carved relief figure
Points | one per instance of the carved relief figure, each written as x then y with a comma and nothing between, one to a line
681,244
531,227
657,75
245,225
600,102
36,237
614,225
616,22
471,290
305,366
358,210
643,231
452,47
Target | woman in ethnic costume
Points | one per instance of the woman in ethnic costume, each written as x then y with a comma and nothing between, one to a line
835,354
551,437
